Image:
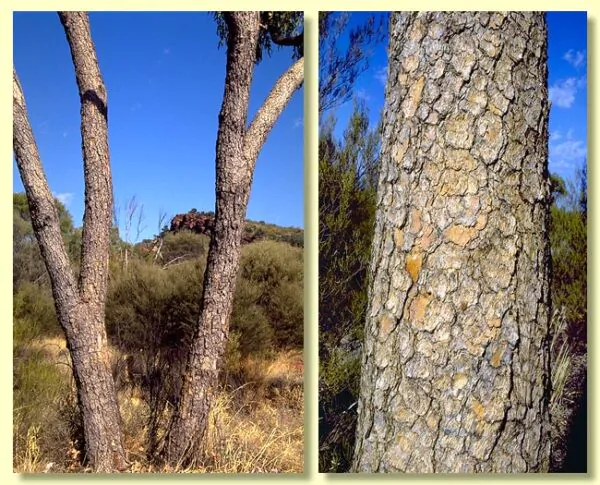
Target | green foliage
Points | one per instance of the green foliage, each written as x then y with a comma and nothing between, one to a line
341,372
28,265
277,28
275,271
44,408
568,238
33,309
347,178
348,171
338,71
183,244
262,230
152,308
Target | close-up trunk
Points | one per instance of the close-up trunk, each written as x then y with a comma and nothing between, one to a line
455,372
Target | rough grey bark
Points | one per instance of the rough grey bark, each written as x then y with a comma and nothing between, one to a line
79,305
455,373
237,149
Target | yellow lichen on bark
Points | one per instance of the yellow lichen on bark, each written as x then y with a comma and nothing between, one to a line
413,265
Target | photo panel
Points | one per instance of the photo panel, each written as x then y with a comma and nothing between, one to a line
158,275
453,242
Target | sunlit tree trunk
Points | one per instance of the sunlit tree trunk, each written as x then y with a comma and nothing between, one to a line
238,147
455,373
79,305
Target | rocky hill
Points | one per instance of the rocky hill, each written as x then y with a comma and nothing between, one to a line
204,223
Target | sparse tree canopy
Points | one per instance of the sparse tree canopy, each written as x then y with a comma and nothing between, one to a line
282,29
338,71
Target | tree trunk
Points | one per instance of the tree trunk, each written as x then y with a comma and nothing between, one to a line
455,374
79,306
237,150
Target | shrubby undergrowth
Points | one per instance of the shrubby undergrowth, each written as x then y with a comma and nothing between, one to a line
152,306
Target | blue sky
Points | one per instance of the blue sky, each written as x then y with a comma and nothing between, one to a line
165,77
567,81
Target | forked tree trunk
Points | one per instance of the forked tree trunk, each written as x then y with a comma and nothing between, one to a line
237,150
455,373
79,305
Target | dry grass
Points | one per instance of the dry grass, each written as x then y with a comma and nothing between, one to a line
567,374
254,428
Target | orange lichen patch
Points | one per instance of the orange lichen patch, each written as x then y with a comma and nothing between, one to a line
386,324
398,238
413,265
495,323
415,221
477,409
497,357
413,98
459,381
460,234
400,150
418,307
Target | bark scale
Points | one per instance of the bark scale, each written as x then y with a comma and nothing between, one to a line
238,147
79,305
455,374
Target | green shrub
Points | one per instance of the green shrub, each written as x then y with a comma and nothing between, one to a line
274,270
44,412
34,313
151,308
249,321
286,310
183,245
270,262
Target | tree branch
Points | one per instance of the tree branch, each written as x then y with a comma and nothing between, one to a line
44,215
271,109
98,179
